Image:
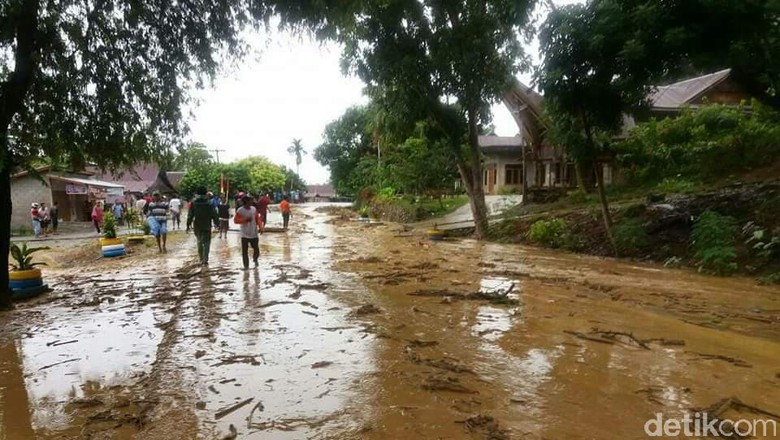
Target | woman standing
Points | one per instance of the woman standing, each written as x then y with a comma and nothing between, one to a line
97,216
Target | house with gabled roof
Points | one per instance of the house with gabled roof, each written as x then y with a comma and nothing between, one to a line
530,159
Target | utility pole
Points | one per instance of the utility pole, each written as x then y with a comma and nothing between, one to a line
216,152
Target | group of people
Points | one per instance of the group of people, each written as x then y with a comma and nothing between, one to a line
45,220
250,214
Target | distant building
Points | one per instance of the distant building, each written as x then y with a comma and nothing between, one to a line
319,193
74,192
547,165
142,178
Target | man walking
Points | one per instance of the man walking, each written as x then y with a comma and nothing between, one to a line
284,208
158,221
224,218
262,208
249,219
200,216
175,205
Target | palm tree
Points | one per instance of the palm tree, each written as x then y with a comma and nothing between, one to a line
296,149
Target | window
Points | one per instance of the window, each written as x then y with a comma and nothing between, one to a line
513,174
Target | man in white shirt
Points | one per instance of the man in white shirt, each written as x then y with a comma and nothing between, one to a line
175,206
249,219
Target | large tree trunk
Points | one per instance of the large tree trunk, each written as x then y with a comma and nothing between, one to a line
473,173
579,172
604,205
5,224
12,95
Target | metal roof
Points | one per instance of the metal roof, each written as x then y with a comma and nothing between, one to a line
679,94
88,182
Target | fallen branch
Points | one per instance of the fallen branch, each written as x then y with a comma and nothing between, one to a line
229,410
259,407
588,338
59,363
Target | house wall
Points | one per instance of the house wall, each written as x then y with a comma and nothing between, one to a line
500,163
727,92
25,191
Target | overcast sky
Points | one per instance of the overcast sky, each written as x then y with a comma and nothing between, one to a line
292,89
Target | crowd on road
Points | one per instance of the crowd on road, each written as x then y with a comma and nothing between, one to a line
45,220
207,213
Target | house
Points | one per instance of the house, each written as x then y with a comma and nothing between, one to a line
319,193
74,192
529,158
142,178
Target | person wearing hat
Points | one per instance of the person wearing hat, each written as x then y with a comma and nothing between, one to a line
36,219
200,218
158,220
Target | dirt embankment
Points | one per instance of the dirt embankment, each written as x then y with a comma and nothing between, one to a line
667,222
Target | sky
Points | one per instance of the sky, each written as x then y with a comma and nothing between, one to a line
291,89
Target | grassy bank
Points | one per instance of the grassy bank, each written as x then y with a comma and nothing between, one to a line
407,209
723,229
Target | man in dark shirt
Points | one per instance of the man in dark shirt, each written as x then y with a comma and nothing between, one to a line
200,217
224,218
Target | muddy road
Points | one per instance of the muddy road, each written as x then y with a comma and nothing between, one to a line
354,331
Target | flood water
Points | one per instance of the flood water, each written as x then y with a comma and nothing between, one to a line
356,331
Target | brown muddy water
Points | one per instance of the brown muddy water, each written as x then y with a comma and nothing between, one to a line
354,331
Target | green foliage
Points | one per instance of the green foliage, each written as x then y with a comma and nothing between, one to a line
292,181
253,174
713,238
772,278
297,150
711,142
550,233
109,225
630,236
22,255
761,241
192,156
675,185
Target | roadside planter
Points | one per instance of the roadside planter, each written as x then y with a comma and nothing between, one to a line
111,246
436,234
25,279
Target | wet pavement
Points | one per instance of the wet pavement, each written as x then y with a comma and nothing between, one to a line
354,331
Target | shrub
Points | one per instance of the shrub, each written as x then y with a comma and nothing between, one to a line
713,239
109,226
630,236
551,233
22,255
675,185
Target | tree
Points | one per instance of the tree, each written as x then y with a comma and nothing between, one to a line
415,56
292,181
105,81
297,150
192,156
264,175
346,141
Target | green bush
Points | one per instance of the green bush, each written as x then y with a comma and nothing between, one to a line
109,226
675,185
713,141
630,236
713,239
550,233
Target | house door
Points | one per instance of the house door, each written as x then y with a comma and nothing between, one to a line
491,179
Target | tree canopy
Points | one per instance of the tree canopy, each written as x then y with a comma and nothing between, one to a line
416,56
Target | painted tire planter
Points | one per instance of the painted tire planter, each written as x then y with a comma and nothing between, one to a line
25,284
113,247
435,234
29,292
136,238
110,241
20,275
109,253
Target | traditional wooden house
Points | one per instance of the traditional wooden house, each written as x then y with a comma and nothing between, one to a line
531,160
